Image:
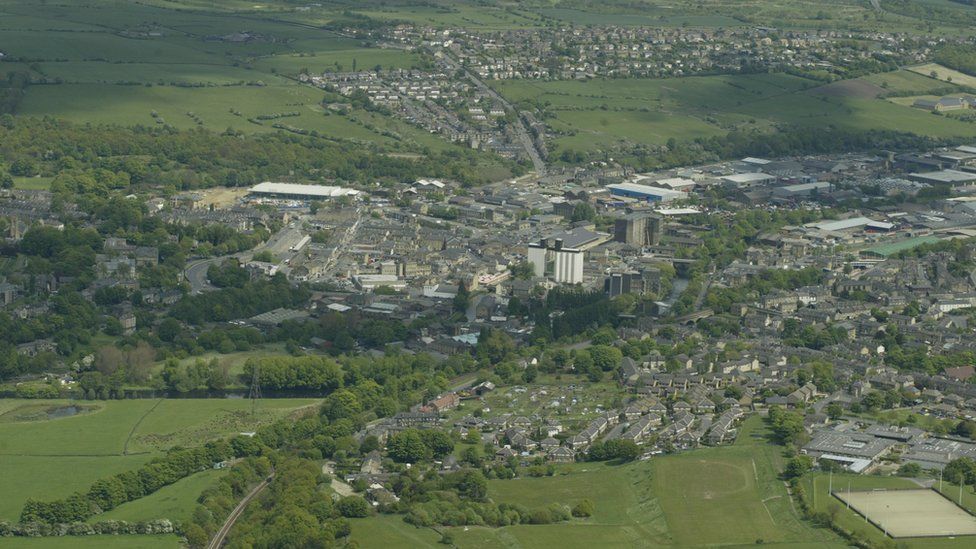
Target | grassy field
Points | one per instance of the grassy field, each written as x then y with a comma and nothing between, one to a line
662,502
51,477
944,74
171,541
606,114
175,502
33,183
174,63
117,436
391,531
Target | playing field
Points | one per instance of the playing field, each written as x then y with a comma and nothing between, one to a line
911,513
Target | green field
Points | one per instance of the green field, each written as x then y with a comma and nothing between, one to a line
33,183
606,114
51,458
175,502
662,502
173,63
47,477
94,542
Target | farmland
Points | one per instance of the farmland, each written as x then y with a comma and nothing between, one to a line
116,436
606,114
152,65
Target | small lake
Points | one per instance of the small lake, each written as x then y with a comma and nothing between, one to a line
64,411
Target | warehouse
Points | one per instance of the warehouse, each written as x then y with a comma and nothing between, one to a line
944,177
802,190
745,180
645,192
300,192
854,223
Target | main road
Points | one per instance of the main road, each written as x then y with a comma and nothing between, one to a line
520,129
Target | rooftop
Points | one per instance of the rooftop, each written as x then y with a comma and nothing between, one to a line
302,190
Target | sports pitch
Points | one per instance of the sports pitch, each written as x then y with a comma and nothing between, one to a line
911,513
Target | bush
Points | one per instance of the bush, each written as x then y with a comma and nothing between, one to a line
583,509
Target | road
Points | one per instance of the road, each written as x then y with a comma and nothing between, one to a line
520,129
344,241
218,539
196,274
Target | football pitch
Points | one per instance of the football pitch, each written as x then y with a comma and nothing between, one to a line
911,513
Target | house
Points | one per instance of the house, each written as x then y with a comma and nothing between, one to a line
561,454
445,403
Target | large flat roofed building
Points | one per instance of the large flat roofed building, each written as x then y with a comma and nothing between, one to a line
561,256
854,223
300,192
848,444
645,192
944,177
748,179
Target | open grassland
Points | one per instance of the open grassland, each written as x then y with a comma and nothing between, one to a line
817,486
52,458
171,541
390,531
905,81
52,477
218,108
662,502
178,63
604,114
175,502
945,74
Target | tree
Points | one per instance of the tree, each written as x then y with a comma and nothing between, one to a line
835,411
341,404
798,466
407,447
583,211
583,509
462,299
6,181
353,507
786,425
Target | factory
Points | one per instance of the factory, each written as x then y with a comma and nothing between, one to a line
294,191
561,256
645,192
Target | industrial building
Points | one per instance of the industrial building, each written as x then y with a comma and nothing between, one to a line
854,223
638,229
944,177
744,180
802,190
645,192
561,256
295,191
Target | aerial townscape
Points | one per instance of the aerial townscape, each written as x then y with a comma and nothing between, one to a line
487,274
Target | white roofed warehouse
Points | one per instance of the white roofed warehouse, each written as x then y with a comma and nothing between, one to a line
294,191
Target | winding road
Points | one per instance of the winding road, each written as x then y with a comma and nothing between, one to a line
218,539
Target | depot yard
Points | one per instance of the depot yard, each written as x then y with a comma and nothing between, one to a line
911,513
